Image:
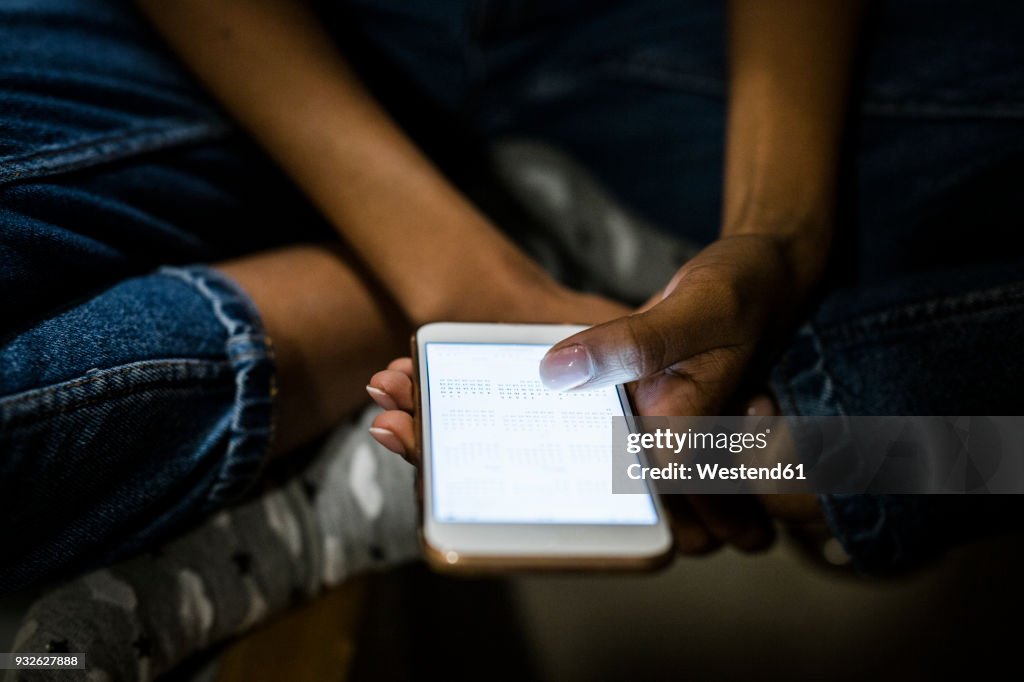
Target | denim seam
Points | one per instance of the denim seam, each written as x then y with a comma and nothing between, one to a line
90,378
34,400
791,378
121,393
852,536
920,314
830,382
665,75
250,354
95,151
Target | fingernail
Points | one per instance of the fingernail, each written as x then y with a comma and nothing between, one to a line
388,439
382,398
567,368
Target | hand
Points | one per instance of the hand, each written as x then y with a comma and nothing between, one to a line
689,347
704,328
686,352
392,390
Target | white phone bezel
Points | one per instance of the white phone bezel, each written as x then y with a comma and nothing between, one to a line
483,544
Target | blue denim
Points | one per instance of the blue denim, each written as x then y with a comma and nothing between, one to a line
136,382
124,412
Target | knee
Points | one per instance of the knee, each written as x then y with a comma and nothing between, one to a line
127,415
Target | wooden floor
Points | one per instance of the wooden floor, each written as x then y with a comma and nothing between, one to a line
314,642
405,624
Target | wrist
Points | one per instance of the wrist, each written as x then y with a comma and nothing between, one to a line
498,284
802,239
806,253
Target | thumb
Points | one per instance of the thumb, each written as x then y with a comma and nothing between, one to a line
632,347
611,353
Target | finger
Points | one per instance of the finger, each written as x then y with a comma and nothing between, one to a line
403,365
736,520
761,405
683,325
392,390
396,431
381,397
692,539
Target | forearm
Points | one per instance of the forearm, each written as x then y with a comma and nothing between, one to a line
789,70
277,72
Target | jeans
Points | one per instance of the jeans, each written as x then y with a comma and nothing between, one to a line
136,382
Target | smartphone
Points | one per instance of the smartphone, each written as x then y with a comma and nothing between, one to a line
516,475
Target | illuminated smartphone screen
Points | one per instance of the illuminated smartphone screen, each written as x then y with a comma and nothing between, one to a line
505,449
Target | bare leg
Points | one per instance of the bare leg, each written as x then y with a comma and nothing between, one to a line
330,329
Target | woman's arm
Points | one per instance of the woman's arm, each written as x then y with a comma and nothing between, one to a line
690,352
277,72
789,71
